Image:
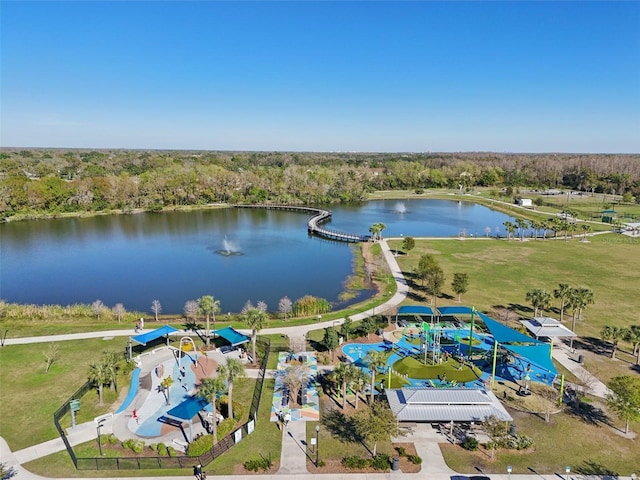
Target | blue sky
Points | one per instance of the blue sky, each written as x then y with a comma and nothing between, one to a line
322,76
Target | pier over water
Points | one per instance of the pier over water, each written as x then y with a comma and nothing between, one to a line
318,217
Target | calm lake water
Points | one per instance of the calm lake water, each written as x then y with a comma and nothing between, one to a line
178,256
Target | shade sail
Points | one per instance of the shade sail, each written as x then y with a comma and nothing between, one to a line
145,338
232,336
537,354
188,409
455,310
504,334
415,310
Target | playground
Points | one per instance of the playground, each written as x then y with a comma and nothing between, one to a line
162,403
444,349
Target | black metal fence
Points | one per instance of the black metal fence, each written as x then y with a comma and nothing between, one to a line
182,461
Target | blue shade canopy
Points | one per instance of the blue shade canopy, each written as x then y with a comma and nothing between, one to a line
503,334
415,310
455,310
232,336
188,409
537,354
145,338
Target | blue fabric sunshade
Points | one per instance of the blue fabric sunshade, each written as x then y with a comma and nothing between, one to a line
187,409
537,354
145,338
232,336
455,310
504,334
415,310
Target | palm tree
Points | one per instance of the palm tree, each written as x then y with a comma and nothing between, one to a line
633,336
233,370
613,334
254,318
209,389
359,383
344,374
544,226
563,292
510,228
374,360
522,225
207,305
165,385
99,376
585,228
540,299
580,298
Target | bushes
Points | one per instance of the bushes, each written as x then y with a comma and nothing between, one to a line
225,427
137,446
471,444
415,459
382,461
200,445
262,463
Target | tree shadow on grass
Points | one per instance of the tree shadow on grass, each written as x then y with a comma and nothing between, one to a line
590,467
590,414
342,427
592,344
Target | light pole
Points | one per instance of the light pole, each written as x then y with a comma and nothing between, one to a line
567,470
317,446
509,469
100,424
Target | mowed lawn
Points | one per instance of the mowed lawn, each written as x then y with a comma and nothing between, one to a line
33,395
501,272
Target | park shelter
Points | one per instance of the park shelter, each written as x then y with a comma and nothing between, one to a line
445,405
147,337
232,336
546,327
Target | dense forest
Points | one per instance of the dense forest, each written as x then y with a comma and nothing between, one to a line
52,181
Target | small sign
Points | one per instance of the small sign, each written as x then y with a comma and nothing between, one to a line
74,405
238,435
250,426
313,441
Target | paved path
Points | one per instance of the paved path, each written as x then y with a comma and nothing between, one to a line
294,451
566,358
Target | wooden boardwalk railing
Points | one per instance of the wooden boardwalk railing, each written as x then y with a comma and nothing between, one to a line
318,216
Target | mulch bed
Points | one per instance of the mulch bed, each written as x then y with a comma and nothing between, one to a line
335,465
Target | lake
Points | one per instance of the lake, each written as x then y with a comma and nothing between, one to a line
233,254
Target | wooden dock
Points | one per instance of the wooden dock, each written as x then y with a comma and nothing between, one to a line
318,217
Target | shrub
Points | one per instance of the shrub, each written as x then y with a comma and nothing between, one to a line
355,462
200,445
262,463
470,443
225,427
523,442
162,449
138,446
171,451
415,459
401,451
113,440
381,461
154,447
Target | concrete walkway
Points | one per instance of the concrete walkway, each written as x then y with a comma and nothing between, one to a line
294,448
567,359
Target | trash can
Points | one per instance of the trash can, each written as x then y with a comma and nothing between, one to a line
395,463
512,430
580,359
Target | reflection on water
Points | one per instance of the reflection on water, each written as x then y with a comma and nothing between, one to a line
262,254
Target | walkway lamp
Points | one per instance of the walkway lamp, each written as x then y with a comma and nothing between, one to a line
99,426
317,446
567,470
509,469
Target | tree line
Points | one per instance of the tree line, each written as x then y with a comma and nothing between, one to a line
34,182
